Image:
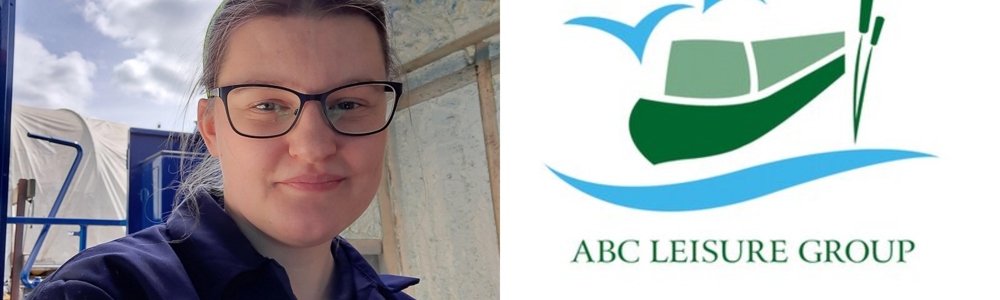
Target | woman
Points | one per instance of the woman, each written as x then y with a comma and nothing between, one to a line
296,172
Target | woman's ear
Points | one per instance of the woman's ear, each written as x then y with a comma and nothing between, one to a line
206,126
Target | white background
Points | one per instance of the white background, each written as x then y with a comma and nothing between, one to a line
932,88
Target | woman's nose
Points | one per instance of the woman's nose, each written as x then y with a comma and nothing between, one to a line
312,139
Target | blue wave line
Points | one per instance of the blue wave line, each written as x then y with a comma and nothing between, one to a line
738,186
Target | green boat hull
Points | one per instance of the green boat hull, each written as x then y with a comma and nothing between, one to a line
665,132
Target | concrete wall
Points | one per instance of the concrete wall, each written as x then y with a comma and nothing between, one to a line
439,182
420,26
441,193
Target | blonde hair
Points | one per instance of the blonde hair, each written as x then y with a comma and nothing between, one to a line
206,174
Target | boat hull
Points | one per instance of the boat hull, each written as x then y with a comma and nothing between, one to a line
665,132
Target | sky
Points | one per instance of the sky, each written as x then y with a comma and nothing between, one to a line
128,61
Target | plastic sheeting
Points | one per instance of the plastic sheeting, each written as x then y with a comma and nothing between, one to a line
98,190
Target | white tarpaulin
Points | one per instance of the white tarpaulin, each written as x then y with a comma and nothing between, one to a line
99,188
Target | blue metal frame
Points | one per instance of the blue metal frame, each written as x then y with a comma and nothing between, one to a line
65,221
55,207
83,223
6,79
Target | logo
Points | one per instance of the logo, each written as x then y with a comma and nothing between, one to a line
779,74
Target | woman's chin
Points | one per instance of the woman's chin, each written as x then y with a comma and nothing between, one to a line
305,238
306,224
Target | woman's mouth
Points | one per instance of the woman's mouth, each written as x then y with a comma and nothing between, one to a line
314,182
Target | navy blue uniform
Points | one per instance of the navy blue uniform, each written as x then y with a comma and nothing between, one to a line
204,259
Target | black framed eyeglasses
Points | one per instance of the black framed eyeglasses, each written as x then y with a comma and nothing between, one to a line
267,111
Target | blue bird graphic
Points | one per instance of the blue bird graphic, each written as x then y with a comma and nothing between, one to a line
710,3
635,37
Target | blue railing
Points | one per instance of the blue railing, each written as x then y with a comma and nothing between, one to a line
83,223
52,220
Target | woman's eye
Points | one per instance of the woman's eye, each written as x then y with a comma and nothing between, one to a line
266,106
347,105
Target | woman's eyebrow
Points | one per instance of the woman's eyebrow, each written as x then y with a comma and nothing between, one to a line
351,80
260,81
347,81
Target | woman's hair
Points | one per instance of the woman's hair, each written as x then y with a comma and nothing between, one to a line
206,175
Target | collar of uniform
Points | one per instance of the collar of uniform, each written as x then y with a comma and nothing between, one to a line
353,271
213,249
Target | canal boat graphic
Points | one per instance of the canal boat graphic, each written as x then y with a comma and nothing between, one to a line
713,69
773,79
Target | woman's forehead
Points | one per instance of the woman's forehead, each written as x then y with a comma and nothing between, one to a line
306,54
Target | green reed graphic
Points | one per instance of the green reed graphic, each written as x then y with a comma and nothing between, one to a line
859,98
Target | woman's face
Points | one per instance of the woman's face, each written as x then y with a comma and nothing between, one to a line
305,187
